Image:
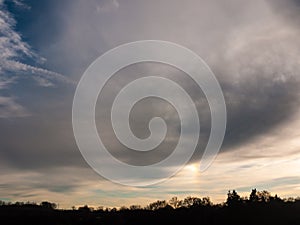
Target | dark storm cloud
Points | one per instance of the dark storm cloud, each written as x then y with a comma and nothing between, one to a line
263,94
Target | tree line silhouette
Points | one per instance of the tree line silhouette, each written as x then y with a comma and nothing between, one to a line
259,208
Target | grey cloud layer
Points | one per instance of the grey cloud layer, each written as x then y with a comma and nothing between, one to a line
253,51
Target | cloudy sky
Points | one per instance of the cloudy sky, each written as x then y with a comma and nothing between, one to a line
253,48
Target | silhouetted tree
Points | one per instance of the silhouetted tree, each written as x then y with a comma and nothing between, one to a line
260,196
157,205
100,208
263,196
135,207
113,209
261,208
123,208
174,202
85,208
48,205
206,201
187,202
289,199
233,198
253,196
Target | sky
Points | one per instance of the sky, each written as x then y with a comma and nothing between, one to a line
252,47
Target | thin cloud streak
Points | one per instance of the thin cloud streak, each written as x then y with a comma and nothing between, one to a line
13,49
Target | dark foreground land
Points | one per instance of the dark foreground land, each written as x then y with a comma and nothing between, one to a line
258,208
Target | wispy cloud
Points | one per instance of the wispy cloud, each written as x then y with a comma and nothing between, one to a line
10,108
20,3
5,82
13,50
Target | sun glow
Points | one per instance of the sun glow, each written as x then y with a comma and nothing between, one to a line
192,168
